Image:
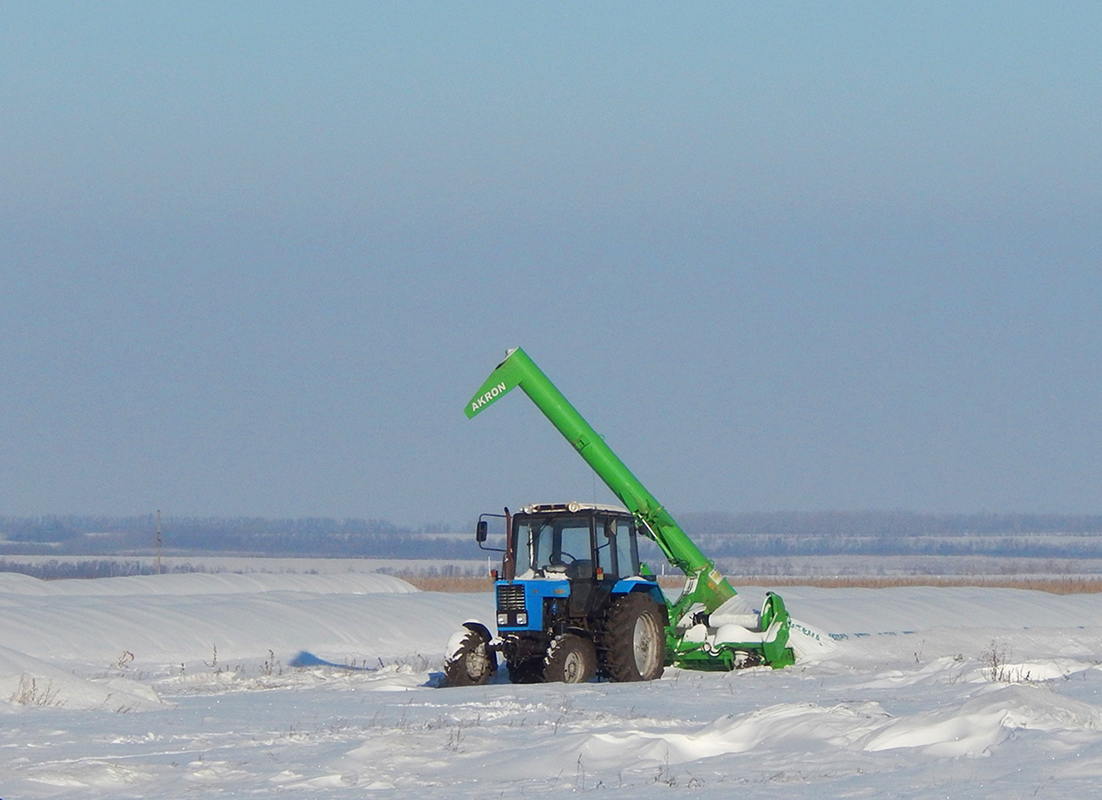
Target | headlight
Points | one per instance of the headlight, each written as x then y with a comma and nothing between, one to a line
522,619
502,619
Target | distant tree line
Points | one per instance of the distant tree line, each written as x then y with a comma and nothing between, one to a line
84,535
873,533
98,568
1040,546
886,524
718,534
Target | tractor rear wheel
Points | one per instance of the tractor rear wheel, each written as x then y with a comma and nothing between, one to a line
635,640
570,659
470,663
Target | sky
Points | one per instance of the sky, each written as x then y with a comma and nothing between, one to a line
256,257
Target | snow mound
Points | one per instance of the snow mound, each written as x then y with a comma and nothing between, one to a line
295,685
795,726
28,682
205,583
185,619
855,612
970,729
978,725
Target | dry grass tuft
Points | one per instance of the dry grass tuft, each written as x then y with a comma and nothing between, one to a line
437,583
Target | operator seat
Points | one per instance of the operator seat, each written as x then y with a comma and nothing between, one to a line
579,569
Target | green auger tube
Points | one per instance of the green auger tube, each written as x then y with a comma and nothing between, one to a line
705,588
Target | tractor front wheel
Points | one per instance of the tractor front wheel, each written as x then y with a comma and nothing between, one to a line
570,659
470,661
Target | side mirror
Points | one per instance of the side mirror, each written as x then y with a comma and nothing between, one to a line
480,532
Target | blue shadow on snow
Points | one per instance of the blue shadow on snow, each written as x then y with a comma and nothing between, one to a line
305,659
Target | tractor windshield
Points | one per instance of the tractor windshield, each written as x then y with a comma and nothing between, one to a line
554,545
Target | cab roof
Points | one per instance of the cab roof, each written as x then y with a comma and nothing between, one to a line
572,507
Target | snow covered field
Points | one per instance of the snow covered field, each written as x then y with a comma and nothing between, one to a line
187,685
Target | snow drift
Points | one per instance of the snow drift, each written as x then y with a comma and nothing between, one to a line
323,685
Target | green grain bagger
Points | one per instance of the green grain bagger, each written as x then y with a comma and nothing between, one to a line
574,600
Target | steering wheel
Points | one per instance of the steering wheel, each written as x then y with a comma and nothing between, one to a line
558,566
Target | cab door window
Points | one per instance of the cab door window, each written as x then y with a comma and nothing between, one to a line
627,557
615,553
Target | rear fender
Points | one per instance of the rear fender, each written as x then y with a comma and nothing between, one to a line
637,586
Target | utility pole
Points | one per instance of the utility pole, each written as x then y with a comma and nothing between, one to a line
158,541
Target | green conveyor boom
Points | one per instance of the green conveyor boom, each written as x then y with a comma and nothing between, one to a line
704,584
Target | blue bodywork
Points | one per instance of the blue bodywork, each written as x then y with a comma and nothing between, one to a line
526,597
532,598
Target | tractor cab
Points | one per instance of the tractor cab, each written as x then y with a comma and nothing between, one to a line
575,541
